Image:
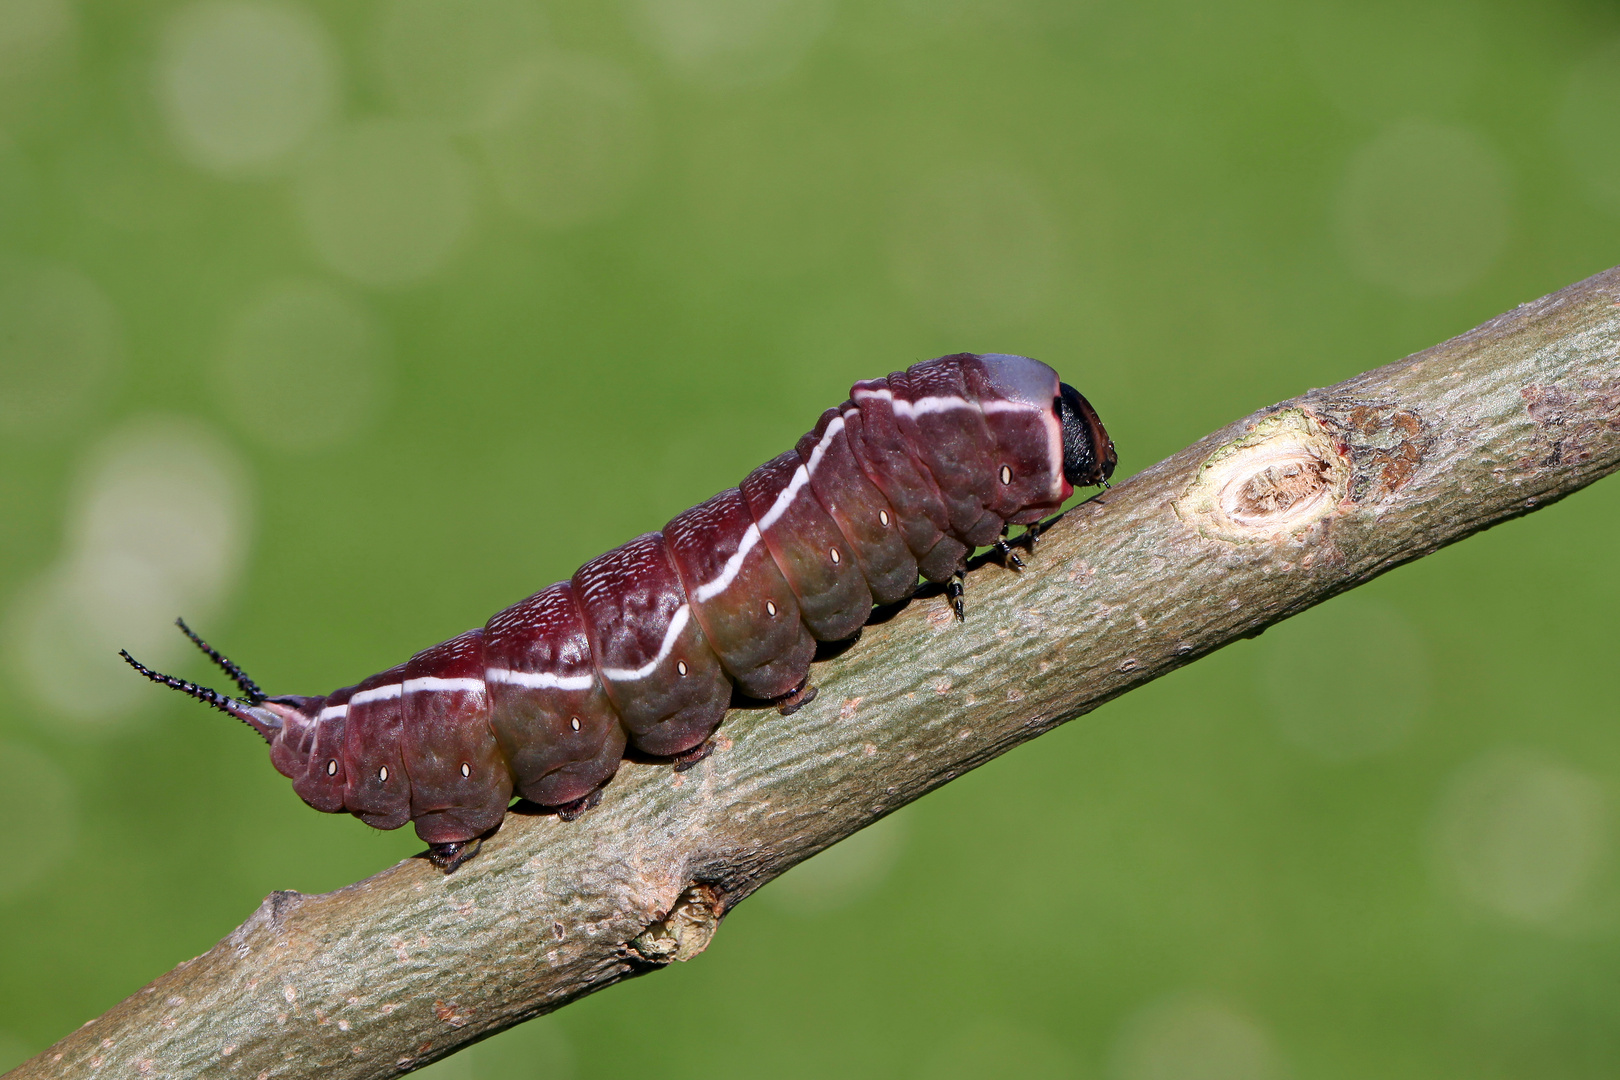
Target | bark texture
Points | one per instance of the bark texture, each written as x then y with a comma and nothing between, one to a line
1251,524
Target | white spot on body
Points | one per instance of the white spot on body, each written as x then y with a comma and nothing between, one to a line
466,770
680,666
1006,475
382,774
770,609
836,558
574,723
331,767
883,516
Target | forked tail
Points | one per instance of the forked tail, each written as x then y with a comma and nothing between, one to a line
250,711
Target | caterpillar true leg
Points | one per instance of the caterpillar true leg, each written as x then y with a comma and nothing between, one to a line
1005,553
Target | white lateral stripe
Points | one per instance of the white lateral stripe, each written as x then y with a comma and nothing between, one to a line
729,572
827,436
538,680
944,404
332,712
801,477
1009,406
676,625
784,499
376,693
921,406
416,686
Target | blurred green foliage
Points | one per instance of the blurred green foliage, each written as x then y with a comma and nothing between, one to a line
337,327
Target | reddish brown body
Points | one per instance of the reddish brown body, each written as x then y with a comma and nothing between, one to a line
643,646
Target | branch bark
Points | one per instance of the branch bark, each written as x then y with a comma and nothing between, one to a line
1253,523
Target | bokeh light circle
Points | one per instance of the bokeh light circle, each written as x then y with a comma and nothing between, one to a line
565,139
244,83
1521,835
386,203
158,528
302,368
1191,1037
1424,209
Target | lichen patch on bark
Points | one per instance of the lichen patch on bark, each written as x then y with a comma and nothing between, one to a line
1272,482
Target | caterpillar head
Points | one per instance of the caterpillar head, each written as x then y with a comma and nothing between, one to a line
1088,453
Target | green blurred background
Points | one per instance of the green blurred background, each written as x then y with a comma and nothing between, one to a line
337,326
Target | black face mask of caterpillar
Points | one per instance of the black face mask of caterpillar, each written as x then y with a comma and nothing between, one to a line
644,646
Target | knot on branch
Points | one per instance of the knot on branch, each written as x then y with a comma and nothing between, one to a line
1280,477
685,931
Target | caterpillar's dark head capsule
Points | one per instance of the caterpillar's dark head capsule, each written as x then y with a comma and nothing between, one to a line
1088,453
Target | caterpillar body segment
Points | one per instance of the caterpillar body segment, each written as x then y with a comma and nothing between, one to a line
644,645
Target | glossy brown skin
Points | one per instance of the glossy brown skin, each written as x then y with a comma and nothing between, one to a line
644,645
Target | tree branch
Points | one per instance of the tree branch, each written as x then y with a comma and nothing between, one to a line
1252,524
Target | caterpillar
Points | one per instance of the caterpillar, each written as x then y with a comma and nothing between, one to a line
644,646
